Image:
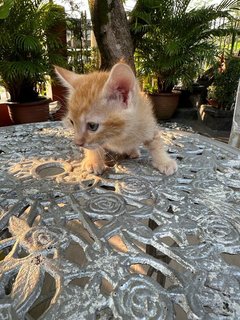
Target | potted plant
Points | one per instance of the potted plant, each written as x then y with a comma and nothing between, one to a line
225,83
211,96
218,115
173,40
27,55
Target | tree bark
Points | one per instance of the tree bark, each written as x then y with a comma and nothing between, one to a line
111,29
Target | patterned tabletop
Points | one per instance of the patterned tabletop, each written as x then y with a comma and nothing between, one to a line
130,244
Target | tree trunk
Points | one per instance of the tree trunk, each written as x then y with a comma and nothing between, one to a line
111,29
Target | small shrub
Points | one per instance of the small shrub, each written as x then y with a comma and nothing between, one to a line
225,84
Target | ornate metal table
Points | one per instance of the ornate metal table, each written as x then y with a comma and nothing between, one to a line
131,244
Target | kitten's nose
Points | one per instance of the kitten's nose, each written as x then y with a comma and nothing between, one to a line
79,142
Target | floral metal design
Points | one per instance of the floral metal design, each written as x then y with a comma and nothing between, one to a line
131,244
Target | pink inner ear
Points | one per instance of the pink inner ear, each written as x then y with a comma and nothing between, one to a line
121,87
124,94
120,83
124,91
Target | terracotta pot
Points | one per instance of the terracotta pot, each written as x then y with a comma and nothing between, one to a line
4,115
212,102
164,104
37,111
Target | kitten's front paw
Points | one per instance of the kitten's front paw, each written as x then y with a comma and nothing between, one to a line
134,154
93,167
168,166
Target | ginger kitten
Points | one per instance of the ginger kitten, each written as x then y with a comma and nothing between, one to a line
108,112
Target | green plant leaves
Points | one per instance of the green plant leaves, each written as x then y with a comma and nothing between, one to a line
5,8
173,40
29,44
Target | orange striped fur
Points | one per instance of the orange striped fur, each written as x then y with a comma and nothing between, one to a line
108,112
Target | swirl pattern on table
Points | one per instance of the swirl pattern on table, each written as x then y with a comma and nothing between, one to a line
105,206
130,244
139,297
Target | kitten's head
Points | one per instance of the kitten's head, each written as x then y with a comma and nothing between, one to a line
100,104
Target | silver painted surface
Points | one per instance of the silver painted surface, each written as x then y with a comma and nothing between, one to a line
73,245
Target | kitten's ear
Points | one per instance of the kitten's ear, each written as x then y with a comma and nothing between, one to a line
67,78
120,84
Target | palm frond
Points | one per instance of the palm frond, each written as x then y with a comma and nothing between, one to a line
28,44
175,40
5,8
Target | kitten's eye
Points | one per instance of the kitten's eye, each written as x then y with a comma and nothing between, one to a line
92,126
71,121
